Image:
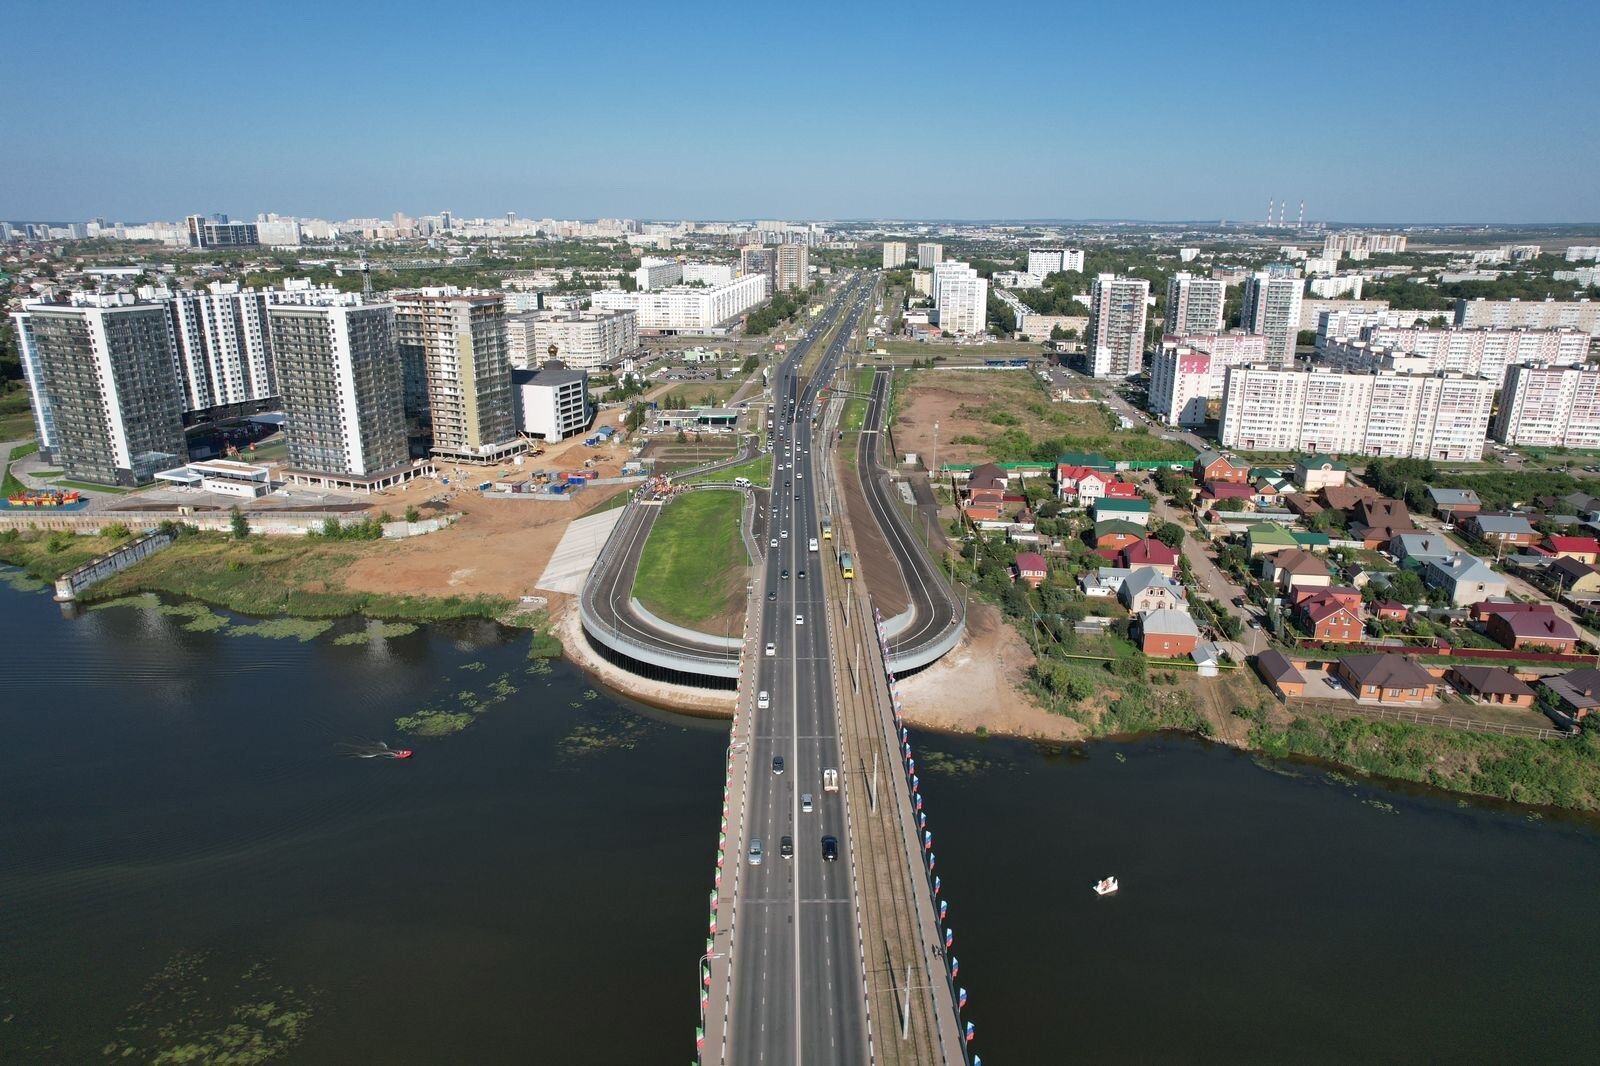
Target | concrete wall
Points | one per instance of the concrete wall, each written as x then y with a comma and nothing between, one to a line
272,525
70,584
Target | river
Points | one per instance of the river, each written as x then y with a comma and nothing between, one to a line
187,845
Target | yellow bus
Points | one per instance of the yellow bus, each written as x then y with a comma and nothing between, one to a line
847,565
827,529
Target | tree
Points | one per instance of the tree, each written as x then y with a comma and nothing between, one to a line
238,524
1170,534
413,515
1230,504
1407,587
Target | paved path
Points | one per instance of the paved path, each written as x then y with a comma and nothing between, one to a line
580,546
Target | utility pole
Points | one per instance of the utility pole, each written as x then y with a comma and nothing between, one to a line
874,792
905,1009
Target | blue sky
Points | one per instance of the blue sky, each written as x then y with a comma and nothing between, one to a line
1402,111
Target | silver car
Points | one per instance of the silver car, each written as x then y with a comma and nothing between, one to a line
755,852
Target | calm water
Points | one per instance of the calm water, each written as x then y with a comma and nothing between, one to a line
180,842
182,847
1262,917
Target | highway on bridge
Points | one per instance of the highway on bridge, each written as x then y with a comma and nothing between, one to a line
797,994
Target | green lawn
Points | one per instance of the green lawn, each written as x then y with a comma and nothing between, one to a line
9,485
692,570
758,470
854,416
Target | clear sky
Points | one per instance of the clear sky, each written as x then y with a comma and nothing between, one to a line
1408,110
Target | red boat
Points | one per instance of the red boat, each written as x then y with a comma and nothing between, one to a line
403,753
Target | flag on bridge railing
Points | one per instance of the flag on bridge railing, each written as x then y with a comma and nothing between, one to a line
971,1032
699,1038
944,908
918,797
927,842
961,999
705,974
955,966
936,887
949,939
922,820
915,780
977,1061
933,860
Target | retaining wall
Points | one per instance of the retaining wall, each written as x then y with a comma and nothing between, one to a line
70,584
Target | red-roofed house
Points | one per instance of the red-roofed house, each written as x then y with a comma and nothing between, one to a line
1481,610
1327,618
1150,552
1583,549
983,512
1227,490
1117,489
1080,484
1031,568
1214,466
1344,594
1391,610
1526,630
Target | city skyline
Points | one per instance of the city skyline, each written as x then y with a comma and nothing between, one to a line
1391,130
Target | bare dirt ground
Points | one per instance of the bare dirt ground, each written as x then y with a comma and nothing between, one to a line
979,684
965,403
871,552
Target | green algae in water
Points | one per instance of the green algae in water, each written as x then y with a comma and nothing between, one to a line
301,629
594,738
938,762
209,622
148,601
431,723
22,581
375,631
472,666
1380,805
190,1013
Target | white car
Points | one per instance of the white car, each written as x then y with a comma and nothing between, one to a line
774,542
772,649
799,619
784,534
805,803
763,701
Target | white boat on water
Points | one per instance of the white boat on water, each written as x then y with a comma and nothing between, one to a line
1106,887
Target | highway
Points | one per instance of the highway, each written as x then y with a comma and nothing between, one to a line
936,611
797,994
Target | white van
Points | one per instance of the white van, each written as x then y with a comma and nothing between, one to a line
742,482
813,543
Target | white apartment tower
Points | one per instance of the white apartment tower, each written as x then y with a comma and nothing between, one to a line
1045,261
1272,309
460,340
962,298
793,267
929,255
1550,407
655,274
1115,341
1187,372
894,254
1194,305
341,384
581,339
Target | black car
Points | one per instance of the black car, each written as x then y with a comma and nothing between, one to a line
830,849
786,847
801,575
772,595
784,575
777,764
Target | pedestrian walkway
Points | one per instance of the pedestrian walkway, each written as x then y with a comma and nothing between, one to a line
580,546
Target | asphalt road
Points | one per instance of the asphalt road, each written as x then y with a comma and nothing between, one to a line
797,992
935,609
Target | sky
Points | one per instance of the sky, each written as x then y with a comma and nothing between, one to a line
1411,111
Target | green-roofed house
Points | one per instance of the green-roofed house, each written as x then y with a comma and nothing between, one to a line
1313,542
1264,538
1136,510
1317,472
1117,534
1092,460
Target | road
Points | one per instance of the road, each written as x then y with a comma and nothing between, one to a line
797,992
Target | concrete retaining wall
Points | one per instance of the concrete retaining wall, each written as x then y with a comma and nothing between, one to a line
732,643
293,524
70,584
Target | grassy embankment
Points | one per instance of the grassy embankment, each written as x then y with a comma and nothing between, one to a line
758,470
16,415
9,485
692,569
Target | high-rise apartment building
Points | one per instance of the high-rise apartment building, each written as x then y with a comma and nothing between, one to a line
1043,262
709,273
1335,245
1272,309
1383,413
552,404
218,232
461,341
108,396
929,255
1187,372
655,274
343,401
961,297
1114,347
685,309
1194,305
793,267
44,419
224,347
1535,314
1485,351
581,339
894,254
1550,407
755,259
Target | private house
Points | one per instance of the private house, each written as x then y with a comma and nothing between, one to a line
1319,472
1344,594
1312,542
1347,497
1104,583
1217,491
1377,522
1391,611
1080,485
1502,529
1582,549
1415,550
1148,589
1294,568
1152,553
1574,578
1215,466
1280,674
1207,659
1136,511
1453,505
1532,631
1490,684
1578,690
1117,489
1265,538
1167,634
1386,678
984,515
1116,534
987,476
1328,618
1031,567
1465,578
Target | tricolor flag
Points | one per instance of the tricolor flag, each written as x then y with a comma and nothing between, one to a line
971,1032
961,999
705,974
927,842
949,939
918,796
933,860
915,780
936,886
955,966
922,820
944,908
699,1038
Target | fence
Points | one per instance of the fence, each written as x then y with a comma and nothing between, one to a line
1449,721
